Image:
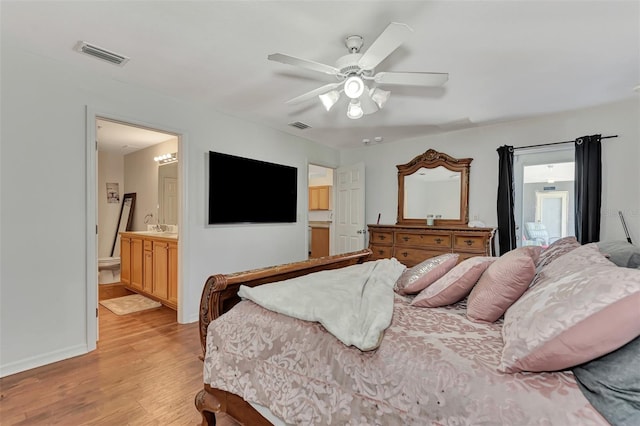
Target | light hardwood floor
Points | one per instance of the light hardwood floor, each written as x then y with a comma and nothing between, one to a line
145,371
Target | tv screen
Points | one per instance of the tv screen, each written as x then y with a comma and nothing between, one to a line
243,190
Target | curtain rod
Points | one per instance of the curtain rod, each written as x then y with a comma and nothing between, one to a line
558,143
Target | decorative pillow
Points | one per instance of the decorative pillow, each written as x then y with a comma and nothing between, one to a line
555,250
622,253
583,307
455,284
584,256
502,283
418,277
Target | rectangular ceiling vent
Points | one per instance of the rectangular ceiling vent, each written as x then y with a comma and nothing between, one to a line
299,125
100,53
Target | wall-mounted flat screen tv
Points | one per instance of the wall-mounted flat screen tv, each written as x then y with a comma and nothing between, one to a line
244,190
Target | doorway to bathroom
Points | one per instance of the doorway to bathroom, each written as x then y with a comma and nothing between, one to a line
139,163
321,201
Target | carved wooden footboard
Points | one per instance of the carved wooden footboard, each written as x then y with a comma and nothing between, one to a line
220,294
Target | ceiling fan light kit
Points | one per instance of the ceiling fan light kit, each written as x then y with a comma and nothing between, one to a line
379,96
353,87
354,110
354,68
329,99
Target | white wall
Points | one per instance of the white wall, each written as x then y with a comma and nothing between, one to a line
620,157
110,170
44,225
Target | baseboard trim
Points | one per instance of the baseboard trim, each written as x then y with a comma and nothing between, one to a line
40,360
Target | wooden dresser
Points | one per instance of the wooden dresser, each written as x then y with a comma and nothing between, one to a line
411,244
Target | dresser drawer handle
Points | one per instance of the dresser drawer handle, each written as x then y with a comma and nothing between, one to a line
469,242
405,254
405,239
438,240
381,237
380,252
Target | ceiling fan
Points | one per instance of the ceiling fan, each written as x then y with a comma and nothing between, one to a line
354,70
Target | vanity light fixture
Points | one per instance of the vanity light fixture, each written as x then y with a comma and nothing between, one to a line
166,158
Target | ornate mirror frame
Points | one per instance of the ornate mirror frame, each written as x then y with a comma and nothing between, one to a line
430,160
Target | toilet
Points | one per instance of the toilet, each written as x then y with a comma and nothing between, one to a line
108,270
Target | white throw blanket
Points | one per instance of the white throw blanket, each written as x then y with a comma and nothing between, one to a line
354,303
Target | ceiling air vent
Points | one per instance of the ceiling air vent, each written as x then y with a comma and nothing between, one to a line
100,53
299,125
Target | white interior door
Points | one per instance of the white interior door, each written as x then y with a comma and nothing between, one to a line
349,212
552,211
169,200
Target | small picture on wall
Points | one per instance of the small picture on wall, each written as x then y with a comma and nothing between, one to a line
113,193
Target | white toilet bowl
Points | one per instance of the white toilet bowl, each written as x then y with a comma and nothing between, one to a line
108,270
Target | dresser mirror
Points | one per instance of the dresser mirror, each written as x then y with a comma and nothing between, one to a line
434,186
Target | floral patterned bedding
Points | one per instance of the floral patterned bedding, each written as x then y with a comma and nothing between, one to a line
434,367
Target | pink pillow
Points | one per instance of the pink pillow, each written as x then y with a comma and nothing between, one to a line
455,284
555,250
586,308
418,277
502,283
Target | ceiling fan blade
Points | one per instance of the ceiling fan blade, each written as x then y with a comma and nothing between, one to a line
303,63
390,39
366,103
412,78
312,94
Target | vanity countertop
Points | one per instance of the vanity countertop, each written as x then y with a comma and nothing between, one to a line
320,224
154,234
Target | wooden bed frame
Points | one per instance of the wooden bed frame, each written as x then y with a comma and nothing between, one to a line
220,294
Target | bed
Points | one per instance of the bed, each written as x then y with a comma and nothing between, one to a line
435,365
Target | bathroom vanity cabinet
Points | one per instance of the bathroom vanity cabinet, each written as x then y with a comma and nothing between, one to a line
319,197
149,265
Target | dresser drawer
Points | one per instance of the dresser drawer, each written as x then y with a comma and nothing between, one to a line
148,244
413,256
475,243
381,252
381,237
433,240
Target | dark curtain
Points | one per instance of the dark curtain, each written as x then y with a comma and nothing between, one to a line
588,187
506,221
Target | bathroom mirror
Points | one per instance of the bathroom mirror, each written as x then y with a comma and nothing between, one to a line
125,220
168,193
435,184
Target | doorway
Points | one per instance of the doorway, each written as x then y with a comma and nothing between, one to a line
544,195
552,211
133,159
320,211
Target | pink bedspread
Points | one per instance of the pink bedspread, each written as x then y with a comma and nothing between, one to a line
434,367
